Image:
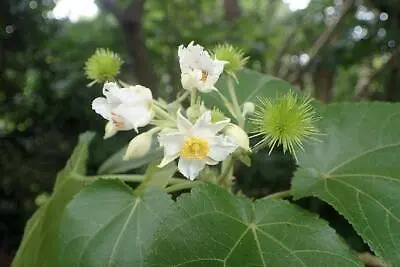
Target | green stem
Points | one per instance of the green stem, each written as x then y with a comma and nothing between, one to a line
281,194
235,102
227,103
182,97
124,177
162,113
193,97
181,186
227,171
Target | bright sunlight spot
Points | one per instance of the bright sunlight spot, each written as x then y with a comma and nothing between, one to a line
297,4
75,10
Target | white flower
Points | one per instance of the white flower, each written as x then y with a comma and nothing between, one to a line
127,108
198,69
195,145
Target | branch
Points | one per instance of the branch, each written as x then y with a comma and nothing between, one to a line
288,41
363,83
231,10
326,36
324,39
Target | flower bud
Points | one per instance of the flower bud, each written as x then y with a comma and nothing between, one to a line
238,135
139,146
248,108
190,80
110,130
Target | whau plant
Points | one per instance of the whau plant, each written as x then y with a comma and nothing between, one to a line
131,220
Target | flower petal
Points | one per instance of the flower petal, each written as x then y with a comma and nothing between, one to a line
134,116
190,168
110,130
210,161
167,159
184,125
205,128
221,147
136,95
111,91
171,141
102,107
214,72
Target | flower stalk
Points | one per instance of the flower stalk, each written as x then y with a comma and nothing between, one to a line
236,107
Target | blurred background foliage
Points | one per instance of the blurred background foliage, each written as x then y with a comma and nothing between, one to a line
341,50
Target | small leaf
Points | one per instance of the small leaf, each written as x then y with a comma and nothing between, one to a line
211,227
106,225
355,168
37,247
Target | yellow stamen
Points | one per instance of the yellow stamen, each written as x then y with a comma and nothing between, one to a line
204,75
195,148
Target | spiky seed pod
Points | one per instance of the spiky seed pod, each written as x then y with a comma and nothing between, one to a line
234,57
287,120
103,65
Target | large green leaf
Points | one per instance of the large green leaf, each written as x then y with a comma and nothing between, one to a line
211,227
38,245
356,169
107,225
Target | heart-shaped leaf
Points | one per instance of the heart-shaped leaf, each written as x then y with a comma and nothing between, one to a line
211,227
356,169
38,244
107,225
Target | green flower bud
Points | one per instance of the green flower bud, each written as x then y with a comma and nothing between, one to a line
287,120
233,56
103,66
139,146
110,130
238,135
248,108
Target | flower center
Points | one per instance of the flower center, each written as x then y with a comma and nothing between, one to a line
204,75
195,148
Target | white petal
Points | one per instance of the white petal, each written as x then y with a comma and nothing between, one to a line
136,95
191,79
190,168
134,116
172,142
184,125
221,147
206,88
214,72
167,159
101,106
110,130
205,128
111,91
210,161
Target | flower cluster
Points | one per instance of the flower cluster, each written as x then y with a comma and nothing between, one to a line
197,135
197,140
